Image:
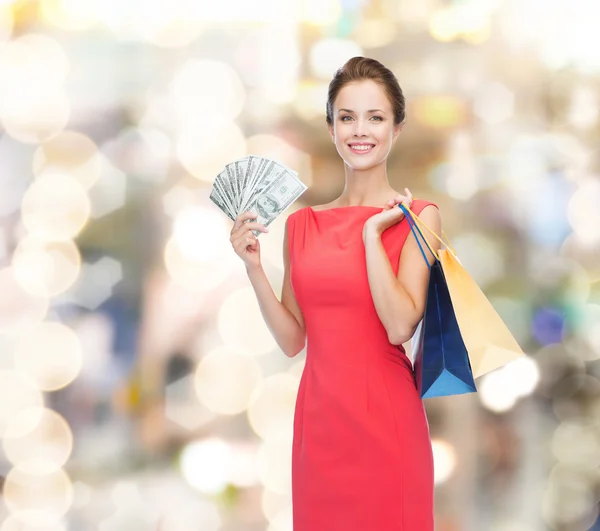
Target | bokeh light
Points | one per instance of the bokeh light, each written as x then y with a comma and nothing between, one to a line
72,153
583,212
439,112
576,447
225,380
55,207
170,25
38,441
327,55
241,325
197,275
68,14
206,465
310,100
33,107
276,148
50,354
204,151
374,33
6,22
494,103
17,393
495,392
204,89
51,492
271,411
273,503
45,269
33,520
548,326
568,497
444,458
274,465
19,310
196,243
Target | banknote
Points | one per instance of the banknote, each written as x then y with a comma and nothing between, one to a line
256,183
273,199
218,200
221,189
268,173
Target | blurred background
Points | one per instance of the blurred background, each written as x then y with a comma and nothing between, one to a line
139,387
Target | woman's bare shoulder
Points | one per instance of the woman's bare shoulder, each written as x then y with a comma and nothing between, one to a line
327,206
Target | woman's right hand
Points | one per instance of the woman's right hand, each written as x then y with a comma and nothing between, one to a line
243,241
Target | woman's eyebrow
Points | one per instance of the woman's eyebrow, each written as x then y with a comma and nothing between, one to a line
370,110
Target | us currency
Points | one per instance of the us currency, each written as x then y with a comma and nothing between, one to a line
226,192
240,170
254,171
216,198
269,173
282,191
229,182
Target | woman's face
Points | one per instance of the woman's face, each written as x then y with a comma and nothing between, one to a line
363,127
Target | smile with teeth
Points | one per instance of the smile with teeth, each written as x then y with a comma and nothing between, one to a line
361,148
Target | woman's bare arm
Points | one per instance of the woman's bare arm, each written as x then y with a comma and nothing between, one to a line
283,318
400,301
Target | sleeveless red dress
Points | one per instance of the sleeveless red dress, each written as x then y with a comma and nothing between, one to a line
361,458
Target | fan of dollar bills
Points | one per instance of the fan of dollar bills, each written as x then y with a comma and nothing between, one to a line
256,184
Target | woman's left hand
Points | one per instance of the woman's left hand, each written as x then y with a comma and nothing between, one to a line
390,215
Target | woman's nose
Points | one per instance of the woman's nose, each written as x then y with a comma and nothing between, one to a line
359,128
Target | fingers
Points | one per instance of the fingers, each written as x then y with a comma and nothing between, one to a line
250,225
242,219
246,228
406,199
244,241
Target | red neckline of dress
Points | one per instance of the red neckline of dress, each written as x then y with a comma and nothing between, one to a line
347,206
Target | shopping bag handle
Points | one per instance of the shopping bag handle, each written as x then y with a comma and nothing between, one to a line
445,241
413,225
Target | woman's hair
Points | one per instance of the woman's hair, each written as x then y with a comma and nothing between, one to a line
363,68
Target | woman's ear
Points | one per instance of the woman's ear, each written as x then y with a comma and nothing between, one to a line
396,132
331,132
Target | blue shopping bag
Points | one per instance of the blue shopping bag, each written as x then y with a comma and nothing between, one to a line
441,362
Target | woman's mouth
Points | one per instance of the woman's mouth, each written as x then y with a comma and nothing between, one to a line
361,149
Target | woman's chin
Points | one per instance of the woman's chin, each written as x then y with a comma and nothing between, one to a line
362,164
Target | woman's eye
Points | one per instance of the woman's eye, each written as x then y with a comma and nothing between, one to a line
344,118
378,118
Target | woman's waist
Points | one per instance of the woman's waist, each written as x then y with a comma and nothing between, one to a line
350,349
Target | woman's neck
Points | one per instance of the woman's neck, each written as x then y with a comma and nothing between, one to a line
369,187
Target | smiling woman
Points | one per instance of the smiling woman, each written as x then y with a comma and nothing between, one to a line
354,291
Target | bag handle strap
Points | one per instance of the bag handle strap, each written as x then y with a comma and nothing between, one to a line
445,241
414,226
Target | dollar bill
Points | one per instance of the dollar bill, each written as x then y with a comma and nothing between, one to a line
256,183
240,170
273,199
266,174
254,170
223,192
216,198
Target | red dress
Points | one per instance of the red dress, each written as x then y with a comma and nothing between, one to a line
362,458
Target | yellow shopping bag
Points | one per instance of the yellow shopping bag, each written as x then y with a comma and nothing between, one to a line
489,343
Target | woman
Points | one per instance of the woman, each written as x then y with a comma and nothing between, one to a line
354,291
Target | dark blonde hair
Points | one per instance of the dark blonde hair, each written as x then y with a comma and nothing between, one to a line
361,69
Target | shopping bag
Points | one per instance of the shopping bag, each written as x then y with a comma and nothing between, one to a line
489,343
441,363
